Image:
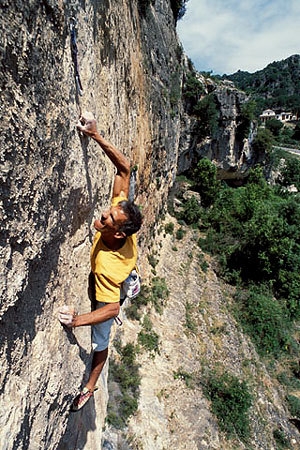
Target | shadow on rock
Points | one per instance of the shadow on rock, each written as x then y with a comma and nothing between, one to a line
79,425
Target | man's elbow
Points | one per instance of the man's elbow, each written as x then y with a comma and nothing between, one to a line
126,167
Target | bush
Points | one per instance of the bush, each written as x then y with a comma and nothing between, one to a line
192,91
205,180
133,311
202,262
147,337
294,406
274,126
169,228
191,212
264,319
289,378
128,406
211,243
187,377
180,234
156,294
159,293
230,402
153,261
281,440
126,374
189,321
263,142
114,419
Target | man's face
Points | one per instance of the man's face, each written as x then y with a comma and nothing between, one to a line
111,220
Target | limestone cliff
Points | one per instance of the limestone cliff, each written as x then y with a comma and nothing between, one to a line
54,183
228,148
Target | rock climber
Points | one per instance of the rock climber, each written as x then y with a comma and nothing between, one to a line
113,257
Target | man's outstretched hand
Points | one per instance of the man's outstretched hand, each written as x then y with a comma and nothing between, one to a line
66,316
87,124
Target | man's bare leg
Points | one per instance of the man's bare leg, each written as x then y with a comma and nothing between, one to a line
99,359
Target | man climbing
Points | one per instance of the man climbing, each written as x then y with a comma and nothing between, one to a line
113,257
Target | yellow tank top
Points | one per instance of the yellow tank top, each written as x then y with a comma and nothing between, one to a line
112,267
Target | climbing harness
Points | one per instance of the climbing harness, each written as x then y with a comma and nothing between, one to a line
74,51
130,288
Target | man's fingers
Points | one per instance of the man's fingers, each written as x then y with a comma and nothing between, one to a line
86,117
79,126
64,315
65,319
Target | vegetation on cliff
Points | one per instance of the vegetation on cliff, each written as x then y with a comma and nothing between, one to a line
201,102
275,86
253,233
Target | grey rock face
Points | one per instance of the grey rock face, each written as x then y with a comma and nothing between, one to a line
54,183
227,148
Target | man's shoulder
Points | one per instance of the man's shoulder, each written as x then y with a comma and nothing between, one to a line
118,199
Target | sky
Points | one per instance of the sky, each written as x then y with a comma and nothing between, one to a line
224,36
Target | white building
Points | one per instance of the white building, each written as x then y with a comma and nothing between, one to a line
282,117
285,117
267,115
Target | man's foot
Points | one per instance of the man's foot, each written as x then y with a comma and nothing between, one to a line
81,399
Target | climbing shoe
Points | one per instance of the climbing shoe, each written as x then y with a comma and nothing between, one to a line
81,399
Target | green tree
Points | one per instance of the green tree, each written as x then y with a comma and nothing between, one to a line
275,126
205,181
263,141
192,91
191,211
290,174
255,232
206,110
256,176
245,118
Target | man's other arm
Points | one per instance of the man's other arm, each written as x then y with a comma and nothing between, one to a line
87,125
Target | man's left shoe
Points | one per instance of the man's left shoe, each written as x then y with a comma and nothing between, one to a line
81,399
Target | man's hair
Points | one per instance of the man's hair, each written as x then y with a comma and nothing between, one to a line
134,217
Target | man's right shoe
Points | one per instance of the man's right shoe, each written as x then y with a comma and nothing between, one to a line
81,399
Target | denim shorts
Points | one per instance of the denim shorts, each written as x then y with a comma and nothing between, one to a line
101,332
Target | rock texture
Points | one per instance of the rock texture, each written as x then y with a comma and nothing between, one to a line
231,153
54,183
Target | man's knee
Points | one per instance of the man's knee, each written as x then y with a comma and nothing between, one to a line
99,357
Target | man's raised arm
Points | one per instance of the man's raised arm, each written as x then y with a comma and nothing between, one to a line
87,125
